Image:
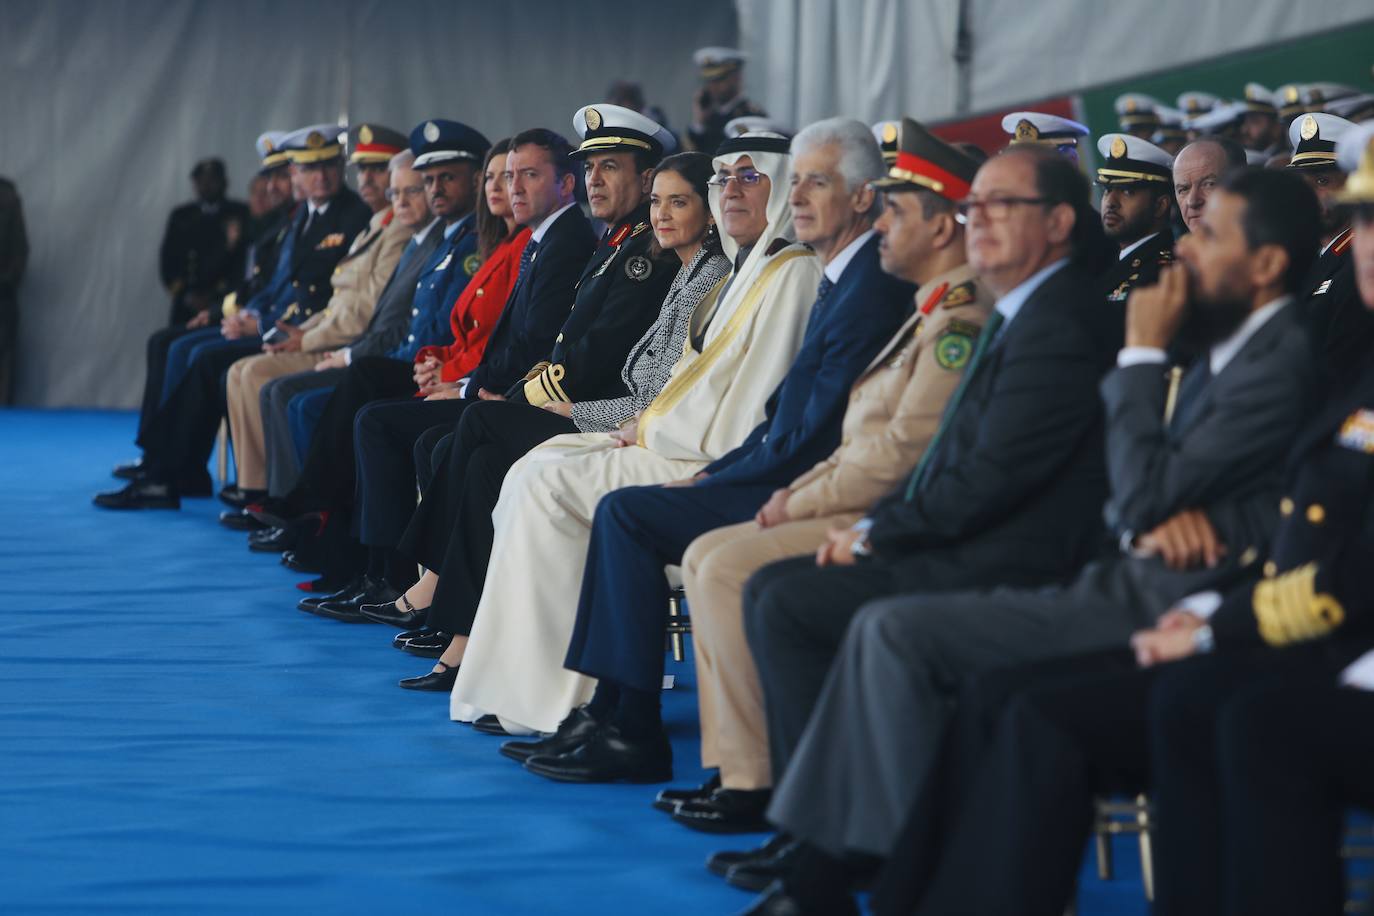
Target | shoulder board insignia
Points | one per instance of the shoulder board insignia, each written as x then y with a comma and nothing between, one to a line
1325,285
1357,432
620,235
638,229
778,245
471,263
954,347
962,294
638,268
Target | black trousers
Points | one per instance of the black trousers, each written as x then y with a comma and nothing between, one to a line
450,531
158,342
1294,750
329,472
384,437
180,434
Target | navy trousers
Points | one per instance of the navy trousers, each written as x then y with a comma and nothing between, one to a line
623,608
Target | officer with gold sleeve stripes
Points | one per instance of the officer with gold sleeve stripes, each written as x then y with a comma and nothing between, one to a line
627,279
1260,748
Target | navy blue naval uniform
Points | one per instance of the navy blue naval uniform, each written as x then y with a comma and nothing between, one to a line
177,439
618,636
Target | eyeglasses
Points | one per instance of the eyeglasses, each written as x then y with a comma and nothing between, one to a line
414,190
746,179
996,209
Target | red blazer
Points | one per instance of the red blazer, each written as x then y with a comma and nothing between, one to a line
478,307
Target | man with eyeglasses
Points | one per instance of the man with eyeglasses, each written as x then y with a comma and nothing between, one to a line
1018,453
1214,459
373,288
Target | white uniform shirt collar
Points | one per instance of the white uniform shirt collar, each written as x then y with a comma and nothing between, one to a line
1134,245
839,262
318,210
419,237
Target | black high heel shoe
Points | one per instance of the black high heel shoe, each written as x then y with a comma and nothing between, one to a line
434,680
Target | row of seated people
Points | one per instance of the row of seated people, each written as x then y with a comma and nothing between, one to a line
871,391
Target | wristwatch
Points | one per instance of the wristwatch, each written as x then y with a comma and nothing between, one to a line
1203,640
860,546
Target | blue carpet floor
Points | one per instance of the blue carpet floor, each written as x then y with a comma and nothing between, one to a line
175,736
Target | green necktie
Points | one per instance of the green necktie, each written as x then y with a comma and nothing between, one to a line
985,339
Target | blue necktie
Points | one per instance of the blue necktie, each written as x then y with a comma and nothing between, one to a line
526,258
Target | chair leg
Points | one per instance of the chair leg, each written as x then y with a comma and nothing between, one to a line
1147,858
223,446
674,634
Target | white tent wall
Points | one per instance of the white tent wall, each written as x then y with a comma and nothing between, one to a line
876,59
106,104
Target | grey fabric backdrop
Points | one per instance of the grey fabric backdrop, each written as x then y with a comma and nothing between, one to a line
105,105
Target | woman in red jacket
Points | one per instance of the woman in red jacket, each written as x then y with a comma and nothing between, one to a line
479,305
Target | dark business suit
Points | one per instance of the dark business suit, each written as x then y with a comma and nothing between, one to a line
904,657
1091,724
1342,329
328,472
178,438
385,331
1023,446
616,298
638,530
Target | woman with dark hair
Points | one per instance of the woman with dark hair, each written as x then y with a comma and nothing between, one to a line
451,531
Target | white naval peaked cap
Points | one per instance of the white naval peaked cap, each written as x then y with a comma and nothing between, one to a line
1194,103
1127,159
756,125
1314,137
1039,127
715,62
1222,116
605,128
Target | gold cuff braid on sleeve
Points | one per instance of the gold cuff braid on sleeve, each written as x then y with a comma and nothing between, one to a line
1290,609
542,384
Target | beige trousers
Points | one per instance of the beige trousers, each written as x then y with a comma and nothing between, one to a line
734,732
246,378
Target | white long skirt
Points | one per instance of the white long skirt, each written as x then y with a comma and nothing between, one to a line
513,666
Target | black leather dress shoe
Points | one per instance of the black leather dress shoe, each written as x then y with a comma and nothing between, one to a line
400,639
776,901
669,799
349,609
238,520
489,725
720,863
291,559
727,811
130,470
575,728
140,494
609,756
271,540
431,646
348,591
236,498
432,680
757,874
403,620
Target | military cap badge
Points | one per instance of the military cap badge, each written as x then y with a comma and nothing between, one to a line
638,268
593,119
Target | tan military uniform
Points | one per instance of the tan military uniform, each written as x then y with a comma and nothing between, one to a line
894,409
357,282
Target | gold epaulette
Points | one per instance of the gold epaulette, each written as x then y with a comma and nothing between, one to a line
1290,609
545,386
